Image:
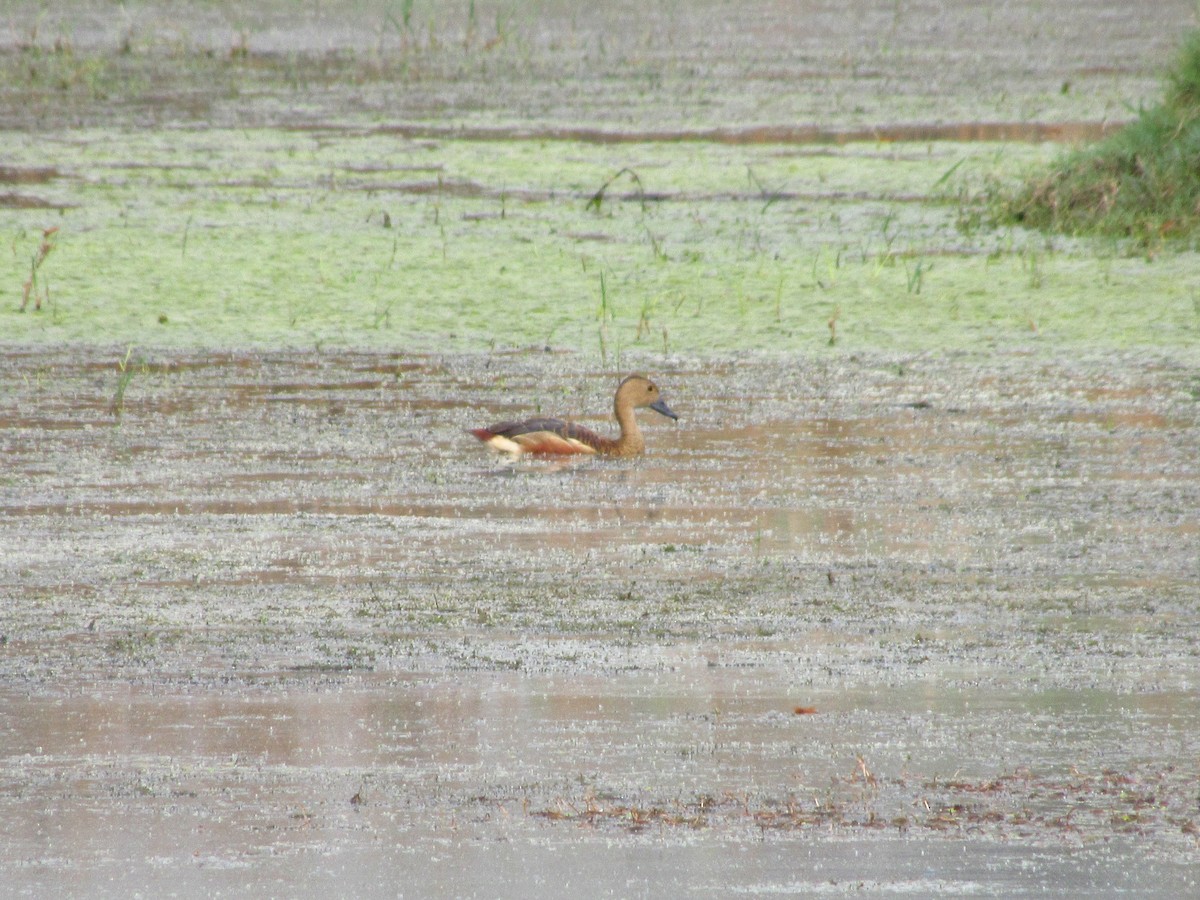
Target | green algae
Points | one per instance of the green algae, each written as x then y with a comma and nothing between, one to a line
364,238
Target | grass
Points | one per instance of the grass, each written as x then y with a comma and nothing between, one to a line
1143,182
126,371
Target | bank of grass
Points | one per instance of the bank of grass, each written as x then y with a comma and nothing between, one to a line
1142,182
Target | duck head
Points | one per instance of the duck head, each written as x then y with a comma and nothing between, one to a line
637,391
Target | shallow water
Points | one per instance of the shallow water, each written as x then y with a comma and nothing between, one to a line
699,774
283,624
562,64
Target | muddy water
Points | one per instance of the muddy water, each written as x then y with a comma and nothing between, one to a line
550,64
275,622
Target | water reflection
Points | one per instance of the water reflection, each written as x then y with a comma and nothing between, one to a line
257,775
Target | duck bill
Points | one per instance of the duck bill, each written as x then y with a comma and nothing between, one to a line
660,406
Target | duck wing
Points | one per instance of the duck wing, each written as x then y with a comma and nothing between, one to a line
546,436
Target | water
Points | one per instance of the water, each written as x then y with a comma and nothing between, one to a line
848,627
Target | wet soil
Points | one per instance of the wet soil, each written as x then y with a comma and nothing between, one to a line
867,624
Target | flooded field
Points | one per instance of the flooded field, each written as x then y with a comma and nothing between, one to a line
545,65
211,196
852,625
905,602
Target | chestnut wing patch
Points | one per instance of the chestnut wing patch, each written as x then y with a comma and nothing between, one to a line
550,436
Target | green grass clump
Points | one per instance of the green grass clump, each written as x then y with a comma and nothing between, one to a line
1141,182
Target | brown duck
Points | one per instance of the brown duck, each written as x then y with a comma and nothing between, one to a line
557,436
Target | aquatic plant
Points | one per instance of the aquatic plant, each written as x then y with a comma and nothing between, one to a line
30,289
1141,182
916,276
597,199
126,371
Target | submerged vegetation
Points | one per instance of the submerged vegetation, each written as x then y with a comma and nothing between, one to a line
1141,182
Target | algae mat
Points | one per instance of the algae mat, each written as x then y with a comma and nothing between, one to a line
569,175
372,240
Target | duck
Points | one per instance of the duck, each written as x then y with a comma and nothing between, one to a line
558,437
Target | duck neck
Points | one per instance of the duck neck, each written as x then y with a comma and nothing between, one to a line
630,443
